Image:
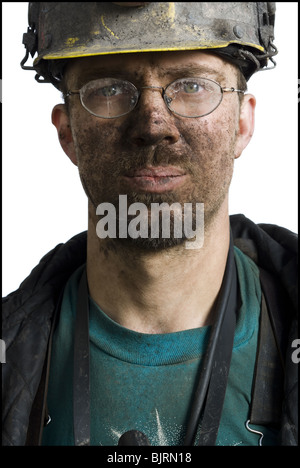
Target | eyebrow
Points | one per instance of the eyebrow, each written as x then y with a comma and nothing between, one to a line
174,72
190,69
99,72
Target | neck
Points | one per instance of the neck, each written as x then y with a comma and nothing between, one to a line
158,292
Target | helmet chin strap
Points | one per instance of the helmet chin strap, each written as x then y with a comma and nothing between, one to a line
209,397
245,60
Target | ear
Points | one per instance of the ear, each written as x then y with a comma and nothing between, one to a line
246,124
61,121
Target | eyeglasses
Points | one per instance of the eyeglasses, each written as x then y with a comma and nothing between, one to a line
110,98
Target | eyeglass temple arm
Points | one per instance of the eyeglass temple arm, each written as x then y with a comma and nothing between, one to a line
232,90
69,93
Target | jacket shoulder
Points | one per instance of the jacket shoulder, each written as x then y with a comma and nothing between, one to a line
26,324
275,250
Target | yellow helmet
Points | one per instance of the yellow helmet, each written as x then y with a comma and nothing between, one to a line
241,32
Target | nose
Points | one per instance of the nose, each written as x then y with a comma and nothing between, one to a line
151,121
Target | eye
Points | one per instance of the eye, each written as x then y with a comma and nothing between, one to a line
109,91
191,87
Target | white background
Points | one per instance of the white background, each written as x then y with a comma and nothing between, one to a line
43,201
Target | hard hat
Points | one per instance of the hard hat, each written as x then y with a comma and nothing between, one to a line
241,32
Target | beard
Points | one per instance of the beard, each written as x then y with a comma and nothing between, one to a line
161,223
209,172
148,221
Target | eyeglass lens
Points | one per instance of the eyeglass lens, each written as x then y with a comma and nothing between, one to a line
188,97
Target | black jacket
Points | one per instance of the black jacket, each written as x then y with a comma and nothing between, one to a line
28,315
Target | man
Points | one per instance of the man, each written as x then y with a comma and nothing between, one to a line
135,333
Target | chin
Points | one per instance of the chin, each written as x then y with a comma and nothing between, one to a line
149,244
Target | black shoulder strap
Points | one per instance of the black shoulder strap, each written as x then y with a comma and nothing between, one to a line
267,392
39,416
81,370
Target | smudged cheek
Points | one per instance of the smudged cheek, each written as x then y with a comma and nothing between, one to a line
204,144
212,154
95,150
95,144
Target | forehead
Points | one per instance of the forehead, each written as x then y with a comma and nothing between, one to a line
159,64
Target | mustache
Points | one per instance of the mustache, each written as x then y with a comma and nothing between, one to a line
125,162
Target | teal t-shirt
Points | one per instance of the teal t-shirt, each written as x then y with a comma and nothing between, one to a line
147,381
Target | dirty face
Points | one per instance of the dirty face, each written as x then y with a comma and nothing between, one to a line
150,154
